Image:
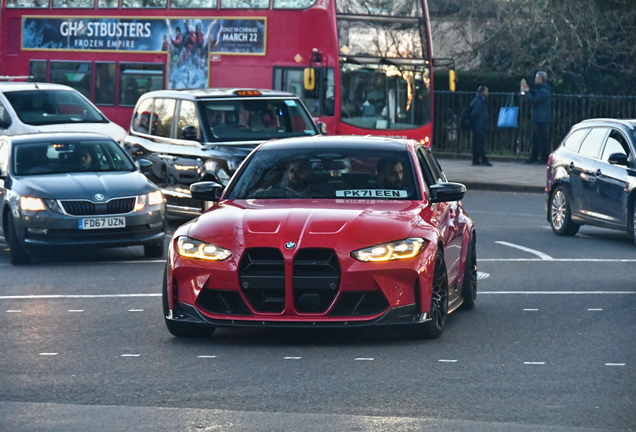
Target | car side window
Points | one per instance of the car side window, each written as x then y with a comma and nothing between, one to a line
573,141
163,114
593,142
187,117
429,176
4,157
5,120
141,118
616,143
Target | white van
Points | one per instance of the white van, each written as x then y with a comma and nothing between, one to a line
29,107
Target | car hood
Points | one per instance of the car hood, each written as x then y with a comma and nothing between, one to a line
308,223
110,129
84,185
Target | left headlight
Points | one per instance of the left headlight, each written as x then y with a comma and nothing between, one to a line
31,204
401,249
192,248
152,198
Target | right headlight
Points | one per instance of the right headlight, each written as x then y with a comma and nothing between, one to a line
192,248
401,249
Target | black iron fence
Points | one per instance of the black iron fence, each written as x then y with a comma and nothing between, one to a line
567,110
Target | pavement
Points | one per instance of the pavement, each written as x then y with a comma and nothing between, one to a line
512,176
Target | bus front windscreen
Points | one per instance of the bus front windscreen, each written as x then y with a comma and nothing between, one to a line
384,97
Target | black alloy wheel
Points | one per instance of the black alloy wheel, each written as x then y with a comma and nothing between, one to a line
560,215
469,286
433,328
18,255
181,329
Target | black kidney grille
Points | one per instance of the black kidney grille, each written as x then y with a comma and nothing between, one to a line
316,279
360,303
79,208
121,205
262,279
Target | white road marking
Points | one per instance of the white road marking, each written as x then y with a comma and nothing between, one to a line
48,354
614,364
541,255
100,262
595,309
555,260
531,310
76,310
447,361
293,358
365,358
533,363
63,296
558,292
206,356
482,275
14,311
135,310
130,355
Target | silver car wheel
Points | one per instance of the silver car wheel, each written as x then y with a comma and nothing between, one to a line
558,209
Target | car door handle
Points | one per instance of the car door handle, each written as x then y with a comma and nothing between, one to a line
571,165
599,172
168,157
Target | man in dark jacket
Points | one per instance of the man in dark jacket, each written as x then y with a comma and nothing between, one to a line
479,126
541,100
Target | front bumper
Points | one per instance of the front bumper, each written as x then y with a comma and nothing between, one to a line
50,229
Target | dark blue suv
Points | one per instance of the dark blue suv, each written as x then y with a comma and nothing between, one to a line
592,178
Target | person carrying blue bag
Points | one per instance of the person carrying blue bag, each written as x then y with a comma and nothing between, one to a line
541,101
479,126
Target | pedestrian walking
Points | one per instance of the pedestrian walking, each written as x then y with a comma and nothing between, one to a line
479,126
541,100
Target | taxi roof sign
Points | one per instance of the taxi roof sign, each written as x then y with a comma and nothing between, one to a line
247,93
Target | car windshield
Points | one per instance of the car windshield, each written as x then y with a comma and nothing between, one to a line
339,173
63,156
47,107
254,119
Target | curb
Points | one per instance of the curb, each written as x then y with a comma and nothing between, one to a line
500,187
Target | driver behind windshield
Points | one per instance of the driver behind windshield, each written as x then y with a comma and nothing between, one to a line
390,173
299,176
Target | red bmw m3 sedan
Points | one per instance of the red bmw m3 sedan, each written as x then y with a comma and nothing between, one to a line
325,232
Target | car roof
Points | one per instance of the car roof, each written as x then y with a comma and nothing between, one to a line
211,93
630,124
335,142
10,86
54,136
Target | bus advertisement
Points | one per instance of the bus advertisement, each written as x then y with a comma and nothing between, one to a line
362,67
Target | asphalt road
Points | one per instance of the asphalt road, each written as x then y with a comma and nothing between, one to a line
549,347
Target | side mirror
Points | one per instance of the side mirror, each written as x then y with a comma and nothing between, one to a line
145,166
618,159
310,79
445,192
4,124
322,127
206,191
452,79
2,176
189,132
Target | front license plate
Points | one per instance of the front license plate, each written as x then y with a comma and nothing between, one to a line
102,223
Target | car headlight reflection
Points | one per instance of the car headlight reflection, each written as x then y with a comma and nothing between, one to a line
31,204
191,248
402,249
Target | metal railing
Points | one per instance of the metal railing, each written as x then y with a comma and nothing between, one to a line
567,110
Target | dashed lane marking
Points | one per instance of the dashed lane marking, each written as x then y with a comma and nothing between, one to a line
447,361
558,292
364,359
482,275
594,309
74,263
14,311
292,358
48,354
135,310
531,310
541,255
206,356
555,260
614,364
76,310
74,296
130,355
533,363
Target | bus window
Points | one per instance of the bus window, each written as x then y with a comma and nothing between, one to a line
73,74
320,100
105,83
163,114
73,3
141,118
136,79
402,8
293,4
193,4
143,4
37,69
108,4
244,4
27,3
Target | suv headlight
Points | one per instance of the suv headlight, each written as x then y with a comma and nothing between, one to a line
396,250
31,204
192,248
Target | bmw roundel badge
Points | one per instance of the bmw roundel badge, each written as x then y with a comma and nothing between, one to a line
99,197
290,245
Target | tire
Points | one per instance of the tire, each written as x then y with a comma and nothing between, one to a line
560,215
469,286
19,256
154,250
433,328
182,329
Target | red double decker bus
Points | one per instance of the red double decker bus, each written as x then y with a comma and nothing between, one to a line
361,66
